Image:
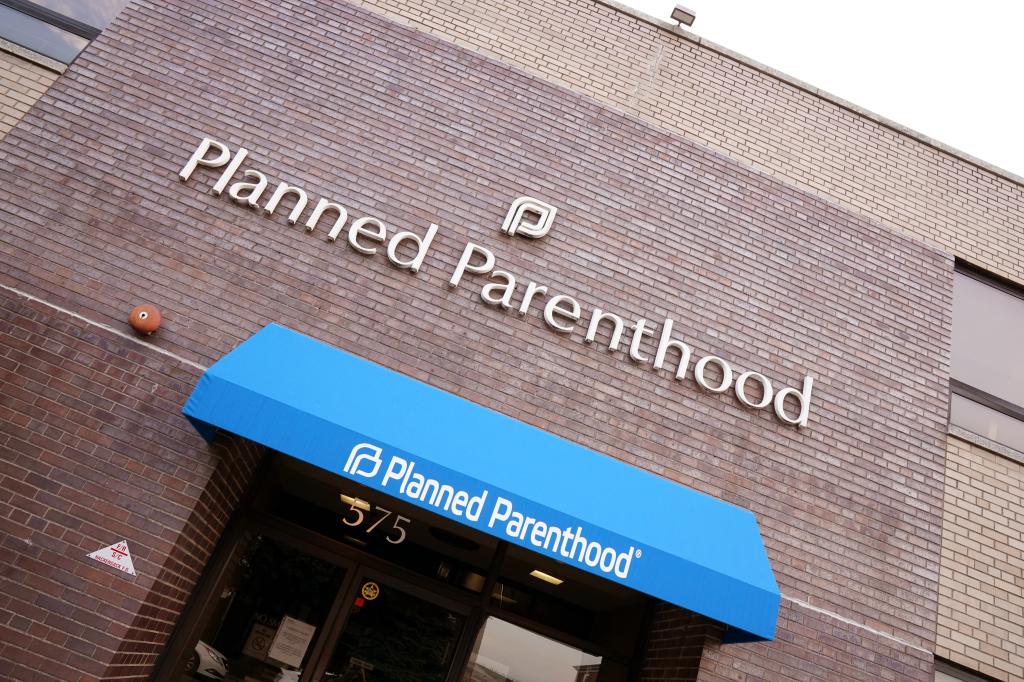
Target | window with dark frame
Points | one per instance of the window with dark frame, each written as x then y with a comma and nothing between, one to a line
58,29
987,370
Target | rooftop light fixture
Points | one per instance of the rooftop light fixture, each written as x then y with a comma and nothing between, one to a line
683,15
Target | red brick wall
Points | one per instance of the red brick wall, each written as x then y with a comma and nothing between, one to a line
94,450
676,643
144,641
812,646
400,125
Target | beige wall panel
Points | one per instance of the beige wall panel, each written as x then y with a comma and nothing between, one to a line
21,84
981,584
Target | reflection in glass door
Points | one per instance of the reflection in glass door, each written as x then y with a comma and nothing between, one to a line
393,636
508,653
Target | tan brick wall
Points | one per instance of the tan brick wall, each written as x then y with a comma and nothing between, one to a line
981,585
746,112
21,84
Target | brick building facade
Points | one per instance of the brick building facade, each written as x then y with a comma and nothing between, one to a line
781,229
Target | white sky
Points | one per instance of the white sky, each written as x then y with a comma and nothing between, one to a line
951,70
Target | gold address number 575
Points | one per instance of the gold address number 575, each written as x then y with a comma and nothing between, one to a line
395,532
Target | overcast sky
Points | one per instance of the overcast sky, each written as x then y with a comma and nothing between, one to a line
951,70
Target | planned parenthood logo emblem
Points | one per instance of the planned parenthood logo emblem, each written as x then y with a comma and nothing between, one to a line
364,460
529,217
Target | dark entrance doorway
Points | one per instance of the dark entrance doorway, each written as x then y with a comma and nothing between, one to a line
394,633
321,580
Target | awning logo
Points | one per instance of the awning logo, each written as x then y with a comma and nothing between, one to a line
364,454
529,217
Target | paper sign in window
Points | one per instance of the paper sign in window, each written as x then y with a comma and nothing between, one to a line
290,643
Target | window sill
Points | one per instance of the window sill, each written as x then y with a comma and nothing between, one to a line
30,56
986,444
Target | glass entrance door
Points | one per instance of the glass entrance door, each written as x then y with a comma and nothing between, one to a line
263,616
283,611
394,632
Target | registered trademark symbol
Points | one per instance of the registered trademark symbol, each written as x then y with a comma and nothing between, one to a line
638,554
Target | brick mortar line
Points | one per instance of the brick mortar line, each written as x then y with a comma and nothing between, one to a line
203,368
813,90
855,624
105,327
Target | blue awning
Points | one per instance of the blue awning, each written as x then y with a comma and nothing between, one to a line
496,474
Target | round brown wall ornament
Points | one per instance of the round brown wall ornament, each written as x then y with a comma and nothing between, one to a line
145,319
